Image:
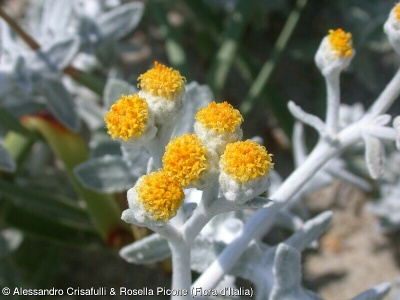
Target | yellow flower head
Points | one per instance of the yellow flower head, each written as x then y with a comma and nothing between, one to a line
341,42
160,195
397,11
162,81
185,159
246,160
127,117
221,117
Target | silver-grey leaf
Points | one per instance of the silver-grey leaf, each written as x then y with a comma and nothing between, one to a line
60,102
107,174
53,57
287,272
378,292
56,17
106,147
311,230
118,22
114,89
197,96
150,249
91,113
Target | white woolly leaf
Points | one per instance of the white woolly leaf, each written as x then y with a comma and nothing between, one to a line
287,273
148,250
307,118
311,231
382,120
374,155
396,126
378,292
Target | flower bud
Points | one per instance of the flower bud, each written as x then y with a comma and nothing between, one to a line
163,88
189,162
335,52
392,28
217,125
129,120
244,170
155,199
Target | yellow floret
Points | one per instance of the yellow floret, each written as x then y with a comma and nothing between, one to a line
397,11
162,81
246,160
185,159
341,42
127,117
160,195
221,117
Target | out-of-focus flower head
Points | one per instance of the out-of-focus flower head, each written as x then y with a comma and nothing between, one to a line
392,28
335,52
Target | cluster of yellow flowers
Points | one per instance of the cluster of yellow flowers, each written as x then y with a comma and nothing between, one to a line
190,160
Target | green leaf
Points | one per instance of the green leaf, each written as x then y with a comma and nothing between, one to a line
226,53
11,122
41,201
58,231
173,43
37,263
7,163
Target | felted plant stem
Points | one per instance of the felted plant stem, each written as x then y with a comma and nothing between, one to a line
387,97
181,272
333,102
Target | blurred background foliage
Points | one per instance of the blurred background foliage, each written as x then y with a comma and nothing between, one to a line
255,54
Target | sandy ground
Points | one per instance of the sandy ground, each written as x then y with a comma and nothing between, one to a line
353,254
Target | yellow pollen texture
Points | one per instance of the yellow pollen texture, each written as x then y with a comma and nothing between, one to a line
127,117
162,81
397,11
341,41
185,159
221,117
160,195
246,160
